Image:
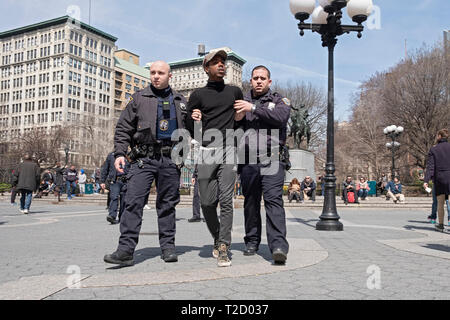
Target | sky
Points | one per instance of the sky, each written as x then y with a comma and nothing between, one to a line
261,31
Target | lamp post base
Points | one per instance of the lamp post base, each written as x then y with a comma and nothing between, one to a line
329,225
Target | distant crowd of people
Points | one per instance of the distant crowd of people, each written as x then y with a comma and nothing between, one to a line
27,179
352,191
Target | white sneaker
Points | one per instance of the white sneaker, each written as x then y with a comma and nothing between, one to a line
26,211
147,208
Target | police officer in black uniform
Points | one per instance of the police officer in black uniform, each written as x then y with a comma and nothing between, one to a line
264,110
146,125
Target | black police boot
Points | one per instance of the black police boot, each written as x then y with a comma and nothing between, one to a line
279,256
250,250
169,255
192,220
119,257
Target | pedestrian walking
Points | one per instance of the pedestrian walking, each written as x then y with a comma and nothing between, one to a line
438,170
13,188
59,180
212,108
269,112
27,178
116,182
146,126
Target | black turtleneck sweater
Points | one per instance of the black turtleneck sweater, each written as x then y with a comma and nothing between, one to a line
216,102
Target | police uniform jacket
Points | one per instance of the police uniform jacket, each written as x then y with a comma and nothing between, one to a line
137,123
272,112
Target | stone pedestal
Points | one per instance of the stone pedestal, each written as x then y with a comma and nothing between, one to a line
302,165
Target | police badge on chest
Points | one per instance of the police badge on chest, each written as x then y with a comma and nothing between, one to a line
164,125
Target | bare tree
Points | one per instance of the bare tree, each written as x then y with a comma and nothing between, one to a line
43,145
413,94
416,96
315,101
96,140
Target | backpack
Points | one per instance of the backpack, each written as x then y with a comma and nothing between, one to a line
351,197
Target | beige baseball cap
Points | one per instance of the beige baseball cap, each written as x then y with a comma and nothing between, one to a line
214,53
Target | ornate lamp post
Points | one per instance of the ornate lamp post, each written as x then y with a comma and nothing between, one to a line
394,133
326,20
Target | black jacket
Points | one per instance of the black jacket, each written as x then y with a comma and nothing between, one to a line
140,117
438,167
108,171
272,112
28,176
59,176
71,175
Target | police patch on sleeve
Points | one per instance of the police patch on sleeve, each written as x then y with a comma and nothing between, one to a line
129,100
286,101
183,106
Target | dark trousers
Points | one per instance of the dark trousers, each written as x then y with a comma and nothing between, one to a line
255,185
167,177
345,194
363,193
216,185
13,195
196,201
115,190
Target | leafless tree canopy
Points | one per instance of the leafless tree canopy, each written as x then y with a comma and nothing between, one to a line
42,145
315,101
416,95
413,94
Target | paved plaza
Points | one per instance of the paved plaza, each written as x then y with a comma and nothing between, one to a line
56,253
